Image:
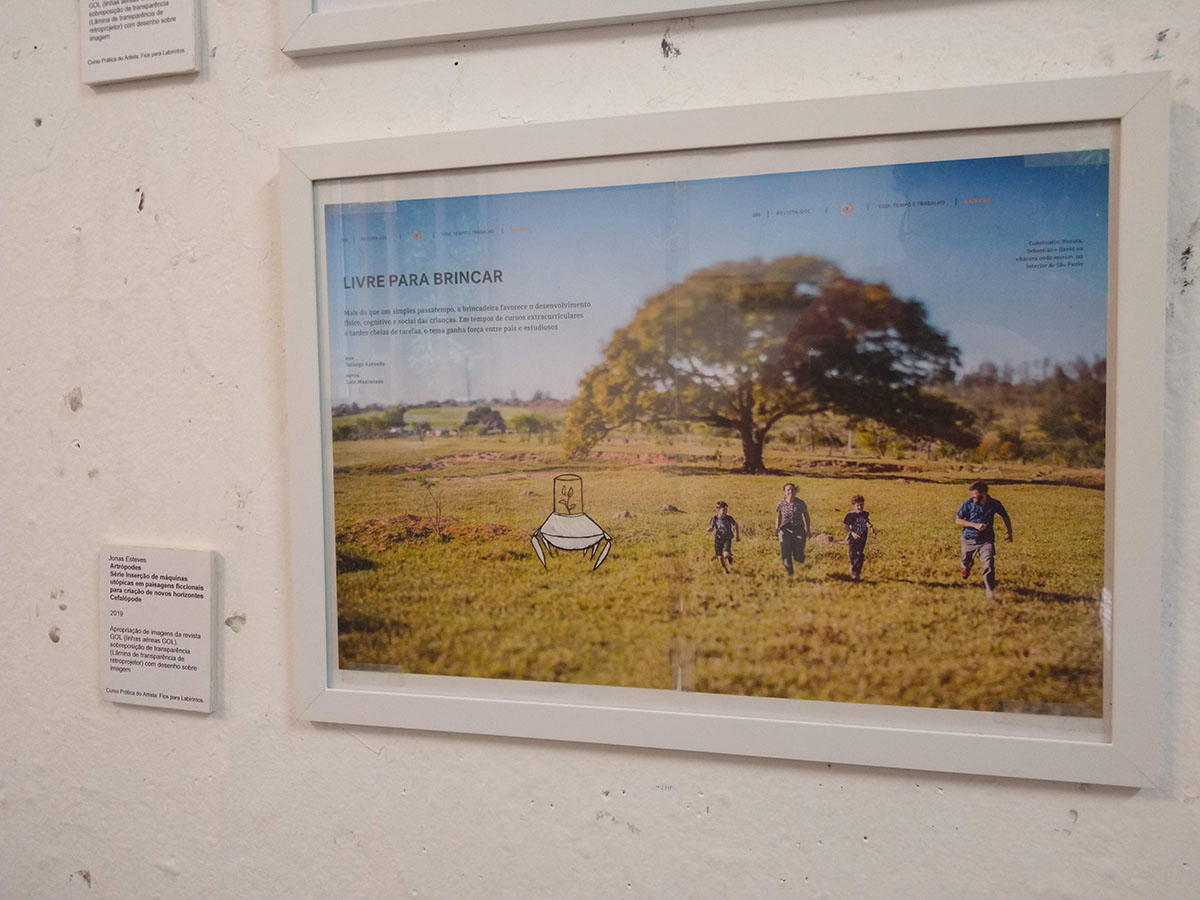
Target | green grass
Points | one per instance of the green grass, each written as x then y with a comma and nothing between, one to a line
660,612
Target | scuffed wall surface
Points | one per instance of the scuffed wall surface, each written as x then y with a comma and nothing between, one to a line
141,386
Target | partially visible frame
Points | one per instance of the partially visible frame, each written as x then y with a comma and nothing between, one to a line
332,26
1123,750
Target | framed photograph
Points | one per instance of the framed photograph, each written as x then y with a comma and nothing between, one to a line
826,430
331,26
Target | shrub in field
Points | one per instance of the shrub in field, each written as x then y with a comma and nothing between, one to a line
433,501
529,424
380,533
487,419
373,425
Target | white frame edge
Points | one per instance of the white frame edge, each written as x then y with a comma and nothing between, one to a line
427,21
1139,105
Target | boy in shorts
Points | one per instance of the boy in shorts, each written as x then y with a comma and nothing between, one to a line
725,529
857,521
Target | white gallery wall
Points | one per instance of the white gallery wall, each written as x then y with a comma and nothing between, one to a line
141,401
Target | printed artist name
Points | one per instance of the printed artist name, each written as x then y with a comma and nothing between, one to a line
419,279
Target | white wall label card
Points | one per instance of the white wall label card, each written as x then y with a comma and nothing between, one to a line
156,627
121,40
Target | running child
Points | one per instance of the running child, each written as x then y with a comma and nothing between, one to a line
857,522
725,529
792,527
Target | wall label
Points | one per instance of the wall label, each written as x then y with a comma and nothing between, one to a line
121,40
156,625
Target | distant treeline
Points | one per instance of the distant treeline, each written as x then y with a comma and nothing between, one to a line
1049,412
354,409
352,422
1057,417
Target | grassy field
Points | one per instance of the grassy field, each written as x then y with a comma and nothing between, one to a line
660,613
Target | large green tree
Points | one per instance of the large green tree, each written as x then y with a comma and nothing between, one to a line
741,345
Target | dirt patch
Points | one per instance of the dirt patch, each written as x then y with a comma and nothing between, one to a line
487,479
442,462
645,459
386,532
437,463
854,465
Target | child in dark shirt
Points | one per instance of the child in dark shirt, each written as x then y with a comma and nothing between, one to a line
725,529
857,522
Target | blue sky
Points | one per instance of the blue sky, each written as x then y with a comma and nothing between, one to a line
614,246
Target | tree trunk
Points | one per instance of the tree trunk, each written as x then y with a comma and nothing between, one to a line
752,452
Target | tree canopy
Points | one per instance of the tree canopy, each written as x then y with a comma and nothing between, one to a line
741,345
859,350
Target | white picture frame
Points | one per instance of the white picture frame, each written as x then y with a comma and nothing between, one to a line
1121,750
312,26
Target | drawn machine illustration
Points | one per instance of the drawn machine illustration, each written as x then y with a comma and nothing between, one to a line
568,527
